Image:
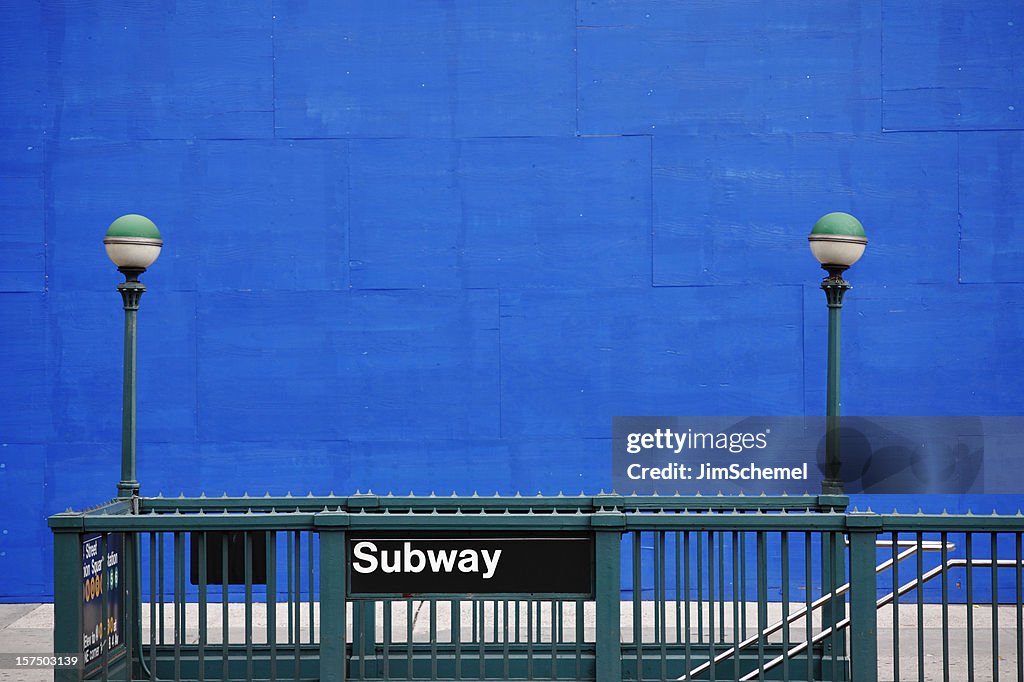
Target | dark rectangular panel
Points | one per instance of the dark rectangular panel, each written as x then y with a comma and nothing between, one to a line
478,564
235,540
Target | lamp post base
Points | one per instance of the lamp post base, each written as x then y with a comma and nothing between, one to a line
832,487
127,488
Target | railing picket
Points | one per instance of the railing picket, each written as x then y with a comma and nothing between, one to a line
310,558
735,602
358,634
271,542
688,652
743,583
699,562
578,615
678,575
481,658
201,653
894,541
659,599
247,548
153,561
808,612
387,613
784,552
179,600
408,639
297,601
529,639
945,609
160,570
554,639
1019,575
290,579
638,604
970,607
432,623
762,599
456,618
711,604
721,586
505,655
224,600
920,606
836,604
995,610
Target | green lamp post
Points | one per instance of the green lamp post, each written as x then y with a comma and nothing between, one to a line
132,243
837,241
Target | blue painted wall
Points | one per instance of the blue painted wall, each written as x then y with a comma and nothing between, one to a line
438,244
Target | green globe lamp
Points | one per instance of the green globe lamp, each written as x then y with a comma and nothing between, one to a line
837,241
133,243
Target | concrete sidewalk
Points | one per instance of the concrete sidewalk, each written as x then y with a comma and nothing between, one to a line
27,629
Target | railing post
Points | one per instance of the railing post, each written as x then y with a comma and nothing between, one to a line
863,529
608,524
67,594
332,595
833,575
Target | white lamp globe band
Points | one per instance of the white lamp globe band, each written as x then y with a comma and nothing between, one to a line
133,252
133,242
837,250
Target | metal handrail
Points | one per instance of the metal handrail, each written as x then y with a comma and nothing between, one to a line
912,548
887,599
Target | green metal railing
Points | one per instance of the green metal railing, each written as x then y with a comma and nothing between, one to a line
695,588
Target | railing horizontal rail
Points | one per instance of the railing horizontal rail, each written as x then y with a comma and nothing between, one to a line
724,521
498,503
949,523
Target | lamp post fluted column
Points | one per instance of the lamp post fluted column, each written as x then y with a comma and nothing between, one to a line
132,242
131,291
837,241
834,286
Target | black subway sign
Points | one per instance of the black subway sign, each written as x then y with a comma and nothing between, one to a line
417,564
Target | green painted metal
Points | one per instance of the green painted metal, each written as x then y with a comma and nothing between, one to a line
838,224
131,292
332,592
688,569
133,225
67,593
584,504
863,613
834,287
608,526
